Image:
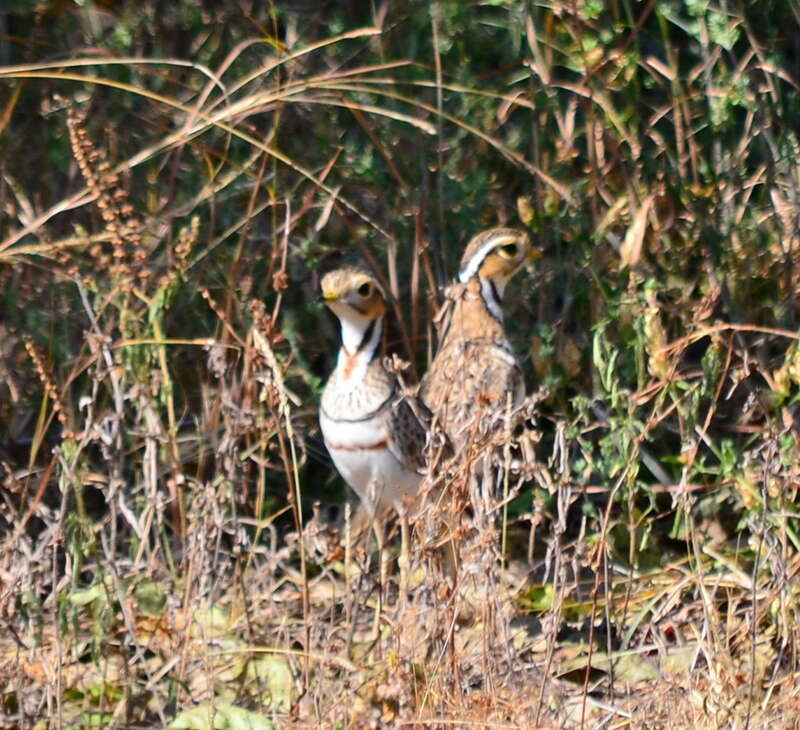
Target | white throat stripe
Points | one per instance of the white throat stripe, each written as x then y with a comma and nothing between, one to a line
490,297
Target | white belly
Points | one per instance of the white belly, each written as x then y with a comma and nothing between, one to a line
373,472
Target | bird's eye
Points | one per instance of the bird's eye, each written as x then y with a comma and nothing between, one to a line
509,251
365,290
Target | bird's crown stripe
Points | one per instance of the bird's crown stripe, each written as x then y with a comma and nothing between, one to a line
472,266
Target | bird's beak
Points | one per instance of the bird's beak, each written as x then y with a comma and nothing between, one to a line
328,297
535,254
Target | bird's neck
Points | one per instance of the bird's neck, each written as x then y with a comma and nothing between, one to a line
476,312
361,340
492,294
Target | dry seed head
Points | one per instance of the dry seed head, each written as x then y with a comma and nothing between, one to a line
261,320
280,281
215,307
187,240
118,215
48,383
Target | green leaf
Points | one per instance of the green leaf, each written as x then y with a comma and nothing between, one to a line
150,596
94,719
629,667
537,599
214,620
220,716
85,596
274,674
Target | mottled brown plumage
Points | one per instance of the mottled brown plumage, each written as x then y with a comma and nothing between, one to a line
475,374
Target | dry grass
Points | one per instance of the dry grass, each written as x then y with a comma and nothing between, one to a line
173,547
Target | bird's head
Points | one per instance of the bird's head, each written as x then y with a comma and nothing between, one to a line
494,256
357,299
352,293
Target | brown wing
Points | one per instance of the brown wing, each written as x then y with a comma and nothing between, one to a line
469,384
409,436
